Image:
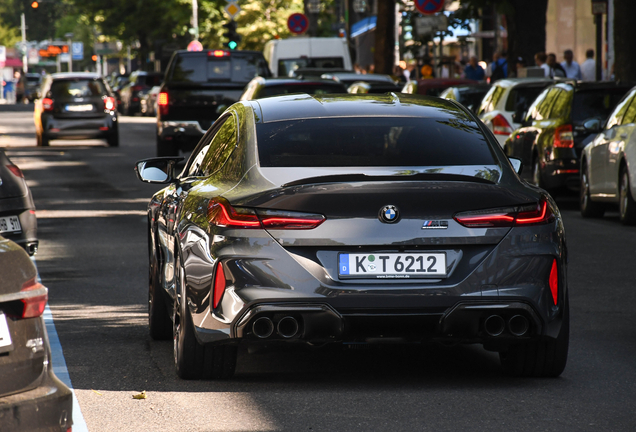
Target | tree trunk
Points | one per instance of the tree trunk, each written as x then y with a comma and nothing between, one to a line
624,36
385,37
526,30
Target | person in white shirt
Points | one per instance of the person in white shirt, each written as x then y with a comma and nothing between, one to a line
588,68
572,68
540,59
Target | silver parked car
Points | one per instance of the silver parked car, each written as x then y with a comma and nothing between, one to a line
608,172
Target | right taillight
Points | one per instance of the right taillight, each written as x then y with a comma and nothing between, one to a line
47,104
162,102
563,137
500,125
221,213
533,214
15,170
553,281
35,298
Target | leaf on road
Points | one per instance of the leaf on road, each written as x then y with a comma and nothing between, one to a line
141,395
95,391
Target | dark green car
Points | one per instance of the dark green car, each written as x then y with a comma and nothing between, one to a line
550,139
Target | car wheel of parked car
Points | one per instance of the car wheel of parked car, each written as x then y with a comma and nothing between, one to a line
589,208
113,139
192,359
536,172
166,148
43,140
158,317
542,358
627,205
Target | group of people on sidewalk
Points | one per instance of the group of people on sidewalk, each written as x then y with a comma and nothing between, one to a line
568,68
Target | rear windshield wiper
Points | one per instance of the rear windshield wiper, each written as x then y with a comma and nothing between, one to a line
337,178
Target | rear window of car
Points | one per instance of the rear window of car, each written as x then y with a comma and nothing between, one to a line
598,103
150,80
201,69
316,89
372,141
77,88
285,66
520,98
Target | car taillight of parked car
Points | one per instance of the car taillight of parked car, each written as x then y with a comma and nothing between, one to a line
15,170
34,300
136,88
109,103
500,126
162,102
47,104
563,137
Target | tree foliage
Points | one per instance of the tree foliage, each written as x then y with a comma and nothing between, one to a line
9,36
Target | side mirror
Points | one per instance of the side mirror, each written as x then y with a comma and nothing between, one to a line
592,125
517,165
157,170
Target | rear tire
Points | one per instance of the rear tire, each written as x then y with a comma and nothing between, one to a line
113,139
627,206
192,359
166,148
44,140
545,357
589,208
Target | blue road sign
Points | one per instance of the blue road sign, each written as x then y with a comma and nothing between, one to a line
77,49
429,7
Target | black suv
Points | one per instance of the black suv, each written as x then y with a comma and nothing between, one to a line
198,86
552,133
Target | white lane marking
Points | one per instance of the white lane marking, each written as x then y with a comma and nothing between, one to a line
59,364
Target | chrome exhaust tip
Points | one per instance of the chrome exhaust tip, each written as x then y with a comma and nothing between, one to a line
287,327
518,325
263,327
494,325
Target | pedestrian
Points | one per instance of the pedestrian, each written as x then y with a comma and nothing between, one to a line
572,68
473,71
540,59
588,68
556,70
499,66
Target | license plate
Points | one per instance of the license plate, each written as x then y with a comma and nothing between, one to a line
392,265
5,336
10,224
79,108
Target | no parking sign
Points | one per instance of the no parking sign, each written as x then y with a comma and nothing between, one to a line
429,7
298,23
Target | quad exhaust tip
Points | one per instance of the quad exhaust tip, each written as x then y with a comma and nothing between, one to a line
287,327
518,325
494,325
263,327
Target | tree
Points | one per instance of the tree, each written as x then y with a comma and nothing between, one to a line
624,36
9,35
384,54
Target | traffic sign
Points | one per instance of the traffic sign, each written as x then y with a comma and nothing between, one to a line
430,24
232,9
77,50
195,45
429,7
297,23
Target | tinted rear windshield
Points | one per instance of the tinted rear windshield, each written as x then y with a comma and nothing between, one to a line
286,66
315,89
201,69
520,98
372,141
77,88
595,103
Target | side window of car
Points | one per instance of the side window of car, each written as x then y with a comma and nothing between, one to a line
221,147
195,163
616,118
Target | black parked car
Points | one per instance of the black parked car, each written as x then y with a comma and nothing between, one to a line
32,398
197,88
139,83
17,211
75,105
552,133
261,87
353,219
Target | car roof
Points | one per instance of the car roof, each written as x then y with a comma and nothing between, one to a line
348,76
591,85
75,75
205,52
293,107
511,82
295,81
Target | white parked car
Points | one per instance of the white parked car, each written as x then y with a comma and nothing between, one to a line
507,101
608,165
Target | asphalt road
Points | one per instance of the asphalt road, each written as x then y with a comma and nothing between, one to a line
93,258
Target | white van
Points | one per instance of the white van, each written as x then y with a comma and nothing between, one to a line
287,55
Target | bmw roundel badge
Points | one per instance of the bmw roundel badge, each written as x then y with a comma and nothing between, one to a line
389,214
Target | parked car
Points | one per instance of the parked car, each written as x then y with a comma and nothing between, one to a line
261,87
17,211
433,86
116,84
608,164
75,105
550,139
469,95
131,94
149,102
503,107
198,86
27,87
353,218
32,398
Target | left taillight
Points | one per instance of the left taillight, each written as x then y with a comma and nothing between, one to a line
564,137
109,103
47,104
533,214
162,102
221,213
35,299
15,170
500,125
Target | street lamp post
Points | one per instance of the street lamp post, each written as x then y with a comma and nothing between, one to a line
69,41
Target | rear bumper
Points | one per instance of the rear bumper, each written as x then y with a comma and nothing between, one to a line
562,172
27,238
81,128
48,407
187,133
